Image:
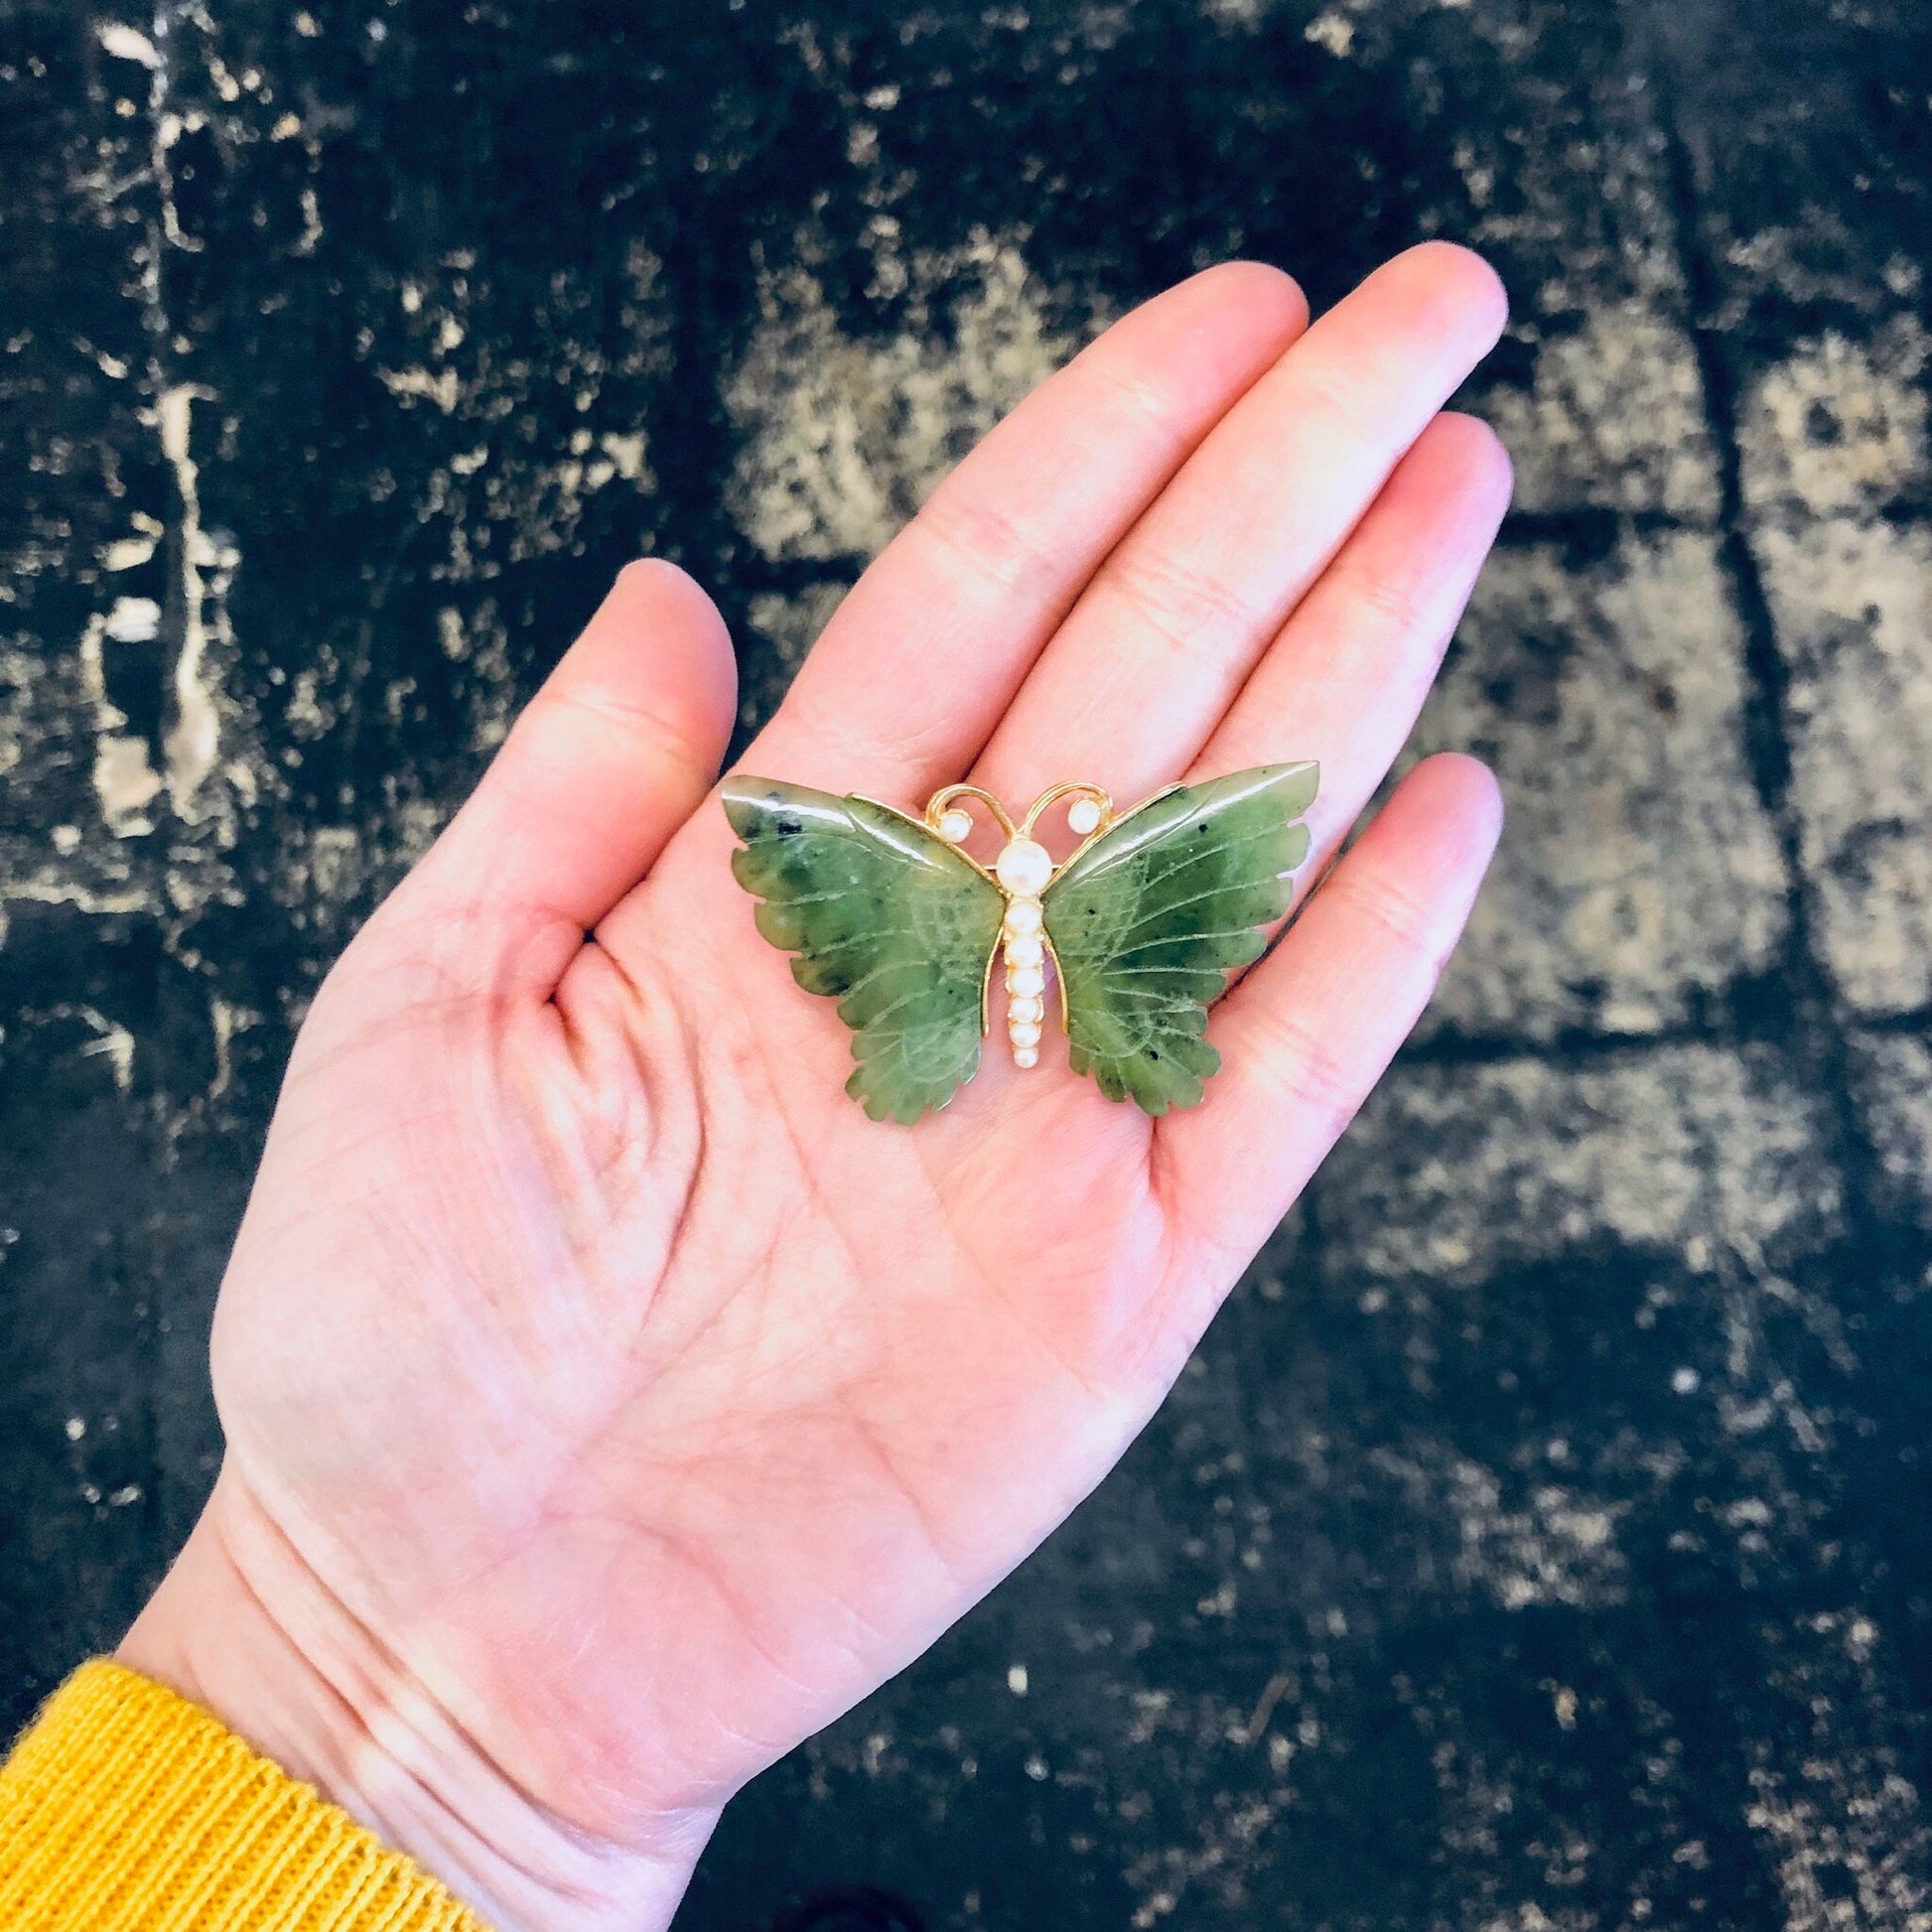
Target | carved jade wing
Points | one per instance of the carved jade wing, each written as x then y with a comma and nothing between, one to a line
1142,924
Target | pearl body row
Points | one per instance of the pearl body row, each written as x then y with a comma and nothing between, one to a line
1023,870
1025,950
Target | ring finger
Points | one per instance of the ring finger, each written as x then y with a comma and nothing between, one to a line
1144,666
1344,680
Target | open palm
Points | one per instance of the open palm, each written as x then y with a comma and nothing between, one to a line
610,1403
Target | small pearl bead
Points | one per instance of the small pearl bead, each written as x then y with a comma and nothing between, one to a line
1025,950
1026,1010
1083,817
1024,915
1026,1056
1027,981
1024,866
955,825
1024,1034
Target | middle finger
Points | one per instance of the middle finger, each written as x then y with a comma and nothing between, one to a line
1160,641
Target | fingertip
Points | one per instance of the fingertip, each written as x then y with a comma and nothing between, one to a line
654,588
656,618
1228,323
1459,289
1481,454
1473,276
1257,288
1459,474
650,579
1461,798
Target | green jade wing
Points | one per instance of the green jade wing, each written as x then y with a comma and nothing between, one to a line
886,918
1148,920
1144,924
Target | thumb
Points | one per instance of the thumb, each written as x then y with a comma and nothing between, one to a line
610,757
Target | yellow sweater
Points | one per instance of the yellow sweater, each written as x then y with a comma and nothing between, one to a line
127,1809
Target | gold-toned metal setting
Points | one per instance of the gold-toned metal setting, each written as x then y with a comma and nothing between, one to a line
950,800
947,818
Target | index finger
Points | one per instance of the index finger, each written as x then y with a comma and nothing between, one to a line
916,667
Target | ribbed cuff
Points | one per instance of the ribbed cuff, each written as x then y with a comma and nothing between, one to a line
127,1809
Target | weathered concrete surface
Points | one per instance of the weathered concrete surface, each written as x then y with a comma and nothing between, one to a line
1538,1541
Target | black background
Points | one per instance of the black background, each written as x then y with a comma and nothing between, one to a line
1537,1539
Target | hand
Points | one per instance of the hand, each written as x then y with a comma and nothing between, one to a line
610,1403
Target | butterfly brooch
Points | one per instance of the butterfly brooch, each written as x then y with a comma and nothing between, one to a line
1139,925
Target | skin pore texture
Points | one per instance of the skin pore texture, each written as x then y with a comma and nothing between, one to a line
608,1403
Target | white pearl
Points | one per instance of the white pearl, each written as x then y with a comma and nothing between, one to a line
1083,817
1024,1034
1029,1010
1026,1056
1024,915
955,825
1024,866
1025,950
1027,981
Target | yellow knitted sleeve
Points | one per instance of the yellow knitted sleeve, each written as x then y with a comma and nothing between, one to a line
127,1809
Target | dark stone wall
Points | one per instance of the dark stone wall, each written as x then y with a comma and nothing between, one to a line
1538,1541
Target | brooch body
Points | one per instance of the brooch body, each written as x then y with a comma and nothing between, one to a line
1138,927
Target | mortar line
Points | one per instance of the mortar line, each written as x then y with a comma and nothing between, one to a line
1569,1049
1818,1041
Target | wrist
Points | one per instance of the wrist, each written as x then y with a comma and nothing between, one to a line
243,1628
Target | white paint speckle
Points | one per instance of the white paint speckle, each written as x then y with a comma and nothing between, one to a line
437,387
1331,30
1614,416
127,553
111,1041
193,742
846,436
1839,427
133,620
126,42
